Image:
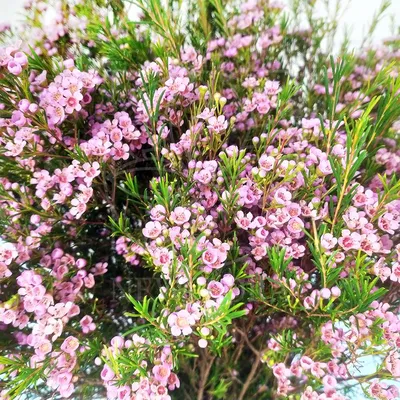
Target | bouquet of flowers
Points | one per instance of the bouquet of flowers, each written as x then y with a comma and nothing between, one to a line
197,202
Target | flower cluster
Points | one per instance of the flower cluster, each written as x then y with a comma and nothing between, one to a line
157,384
68,94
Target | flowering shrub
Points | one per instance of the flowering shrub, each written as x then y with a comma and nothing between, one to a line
196,202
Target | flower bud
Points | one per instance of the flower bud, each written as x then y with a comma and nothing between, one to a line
325,293
336,292
201,281
203,343
202,91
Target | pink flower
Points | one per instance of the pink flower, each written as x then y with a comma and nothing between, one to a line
120,151
64,379
317,369
87,324
295,225
210,256
243,221
90,171
382,270
107,374
73,102
66,390
55,114
206,114
259,252
162,372
282,196
388,223
329,382
217,124
180,215
21,58
70,344
100,268
173,381
263,107
204,176
157,213
349,240
8,253
14,67
393,363
328,241
18,118
216,289
266,162
306,362
178,85
7,316
181,322
152,230
78,208
280,371
370,243
324,167
116,135
43,348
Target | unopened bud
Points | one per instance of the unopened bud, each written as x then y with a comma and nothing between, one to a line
202,91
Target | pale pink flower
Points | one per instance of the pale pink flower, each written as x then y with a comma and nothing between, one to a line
152,230
216,289
70,344
328,241
157,213
181,322
180,215
162,372
393,363
295,225
217,124
243,220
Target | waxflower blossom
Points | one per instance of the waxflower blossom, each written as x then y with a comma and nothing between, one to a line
180,216
217,124
152,229
70,344
181,322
